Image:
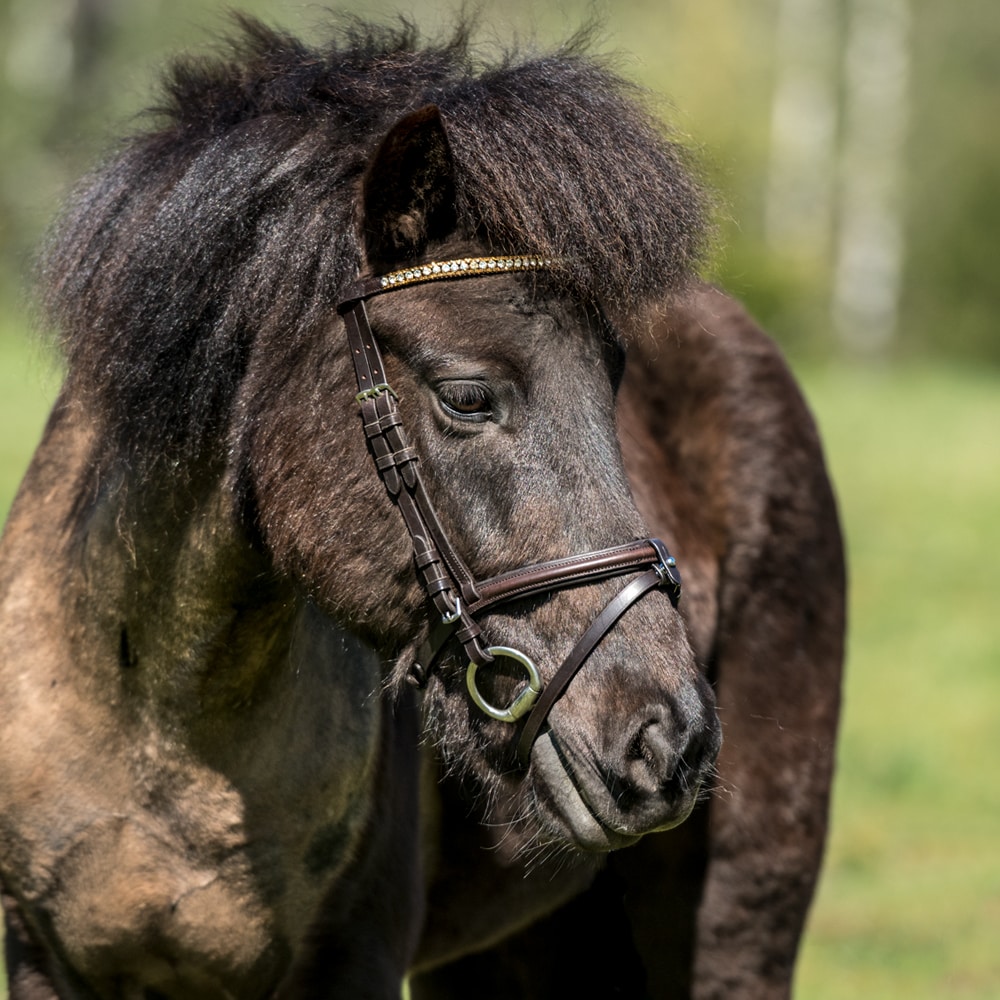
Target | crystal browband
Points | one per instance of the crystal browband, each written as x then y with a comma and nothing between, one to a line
459,267
455,268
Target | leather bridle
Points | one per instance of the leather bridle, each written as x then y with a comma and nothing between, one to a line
458,597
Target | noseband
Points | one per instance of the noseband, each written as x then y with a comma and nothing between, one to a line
457,596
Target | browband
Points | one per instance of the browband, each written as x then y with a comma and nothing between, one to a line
437,270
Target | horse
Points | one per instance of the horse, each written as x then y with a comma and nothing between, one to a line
409,527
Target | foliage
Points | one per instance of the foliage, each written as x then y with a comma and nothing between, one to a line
953,296
26,389
73,72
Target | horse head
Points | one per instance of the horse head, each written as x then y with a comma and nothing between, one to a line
488,400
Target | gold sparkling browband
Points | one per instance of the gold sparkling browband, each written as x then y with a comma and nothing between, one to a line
457,268
460,267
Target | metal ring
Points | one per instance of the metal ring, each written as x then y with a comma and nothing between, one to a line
525,698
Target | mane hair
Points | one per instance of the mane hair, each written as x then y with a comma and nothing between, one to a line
233,212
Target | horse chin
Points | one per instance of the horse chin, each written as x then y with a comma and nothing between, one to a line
575,805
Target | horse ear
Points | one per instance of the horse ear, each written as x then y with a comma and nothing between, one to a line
408,195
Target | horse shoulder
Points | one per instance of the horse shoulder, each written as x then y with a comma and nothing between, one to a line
161,749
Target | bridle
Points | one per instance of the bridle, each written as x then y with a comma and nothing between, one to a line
458,597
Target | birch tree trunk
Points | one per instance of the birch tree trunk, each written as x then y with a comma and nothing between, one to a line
801,170
870,240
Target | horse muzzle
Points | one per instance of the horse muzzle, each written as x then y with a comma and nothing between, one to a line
643,774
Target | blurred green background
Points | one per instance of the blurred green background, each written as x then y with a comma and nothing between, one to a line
855,148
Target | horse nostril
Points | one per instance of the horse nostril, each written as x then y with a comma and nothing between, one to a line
651,756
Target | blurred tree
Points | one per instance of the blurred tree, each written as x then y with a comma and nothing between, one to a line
801,167
951,294
53,82
770,91
868,269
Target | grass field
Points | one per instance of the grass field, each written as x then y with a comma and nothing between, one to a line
910,902
910,905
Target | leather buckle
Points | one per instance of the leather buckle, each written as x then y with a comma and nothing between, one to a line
375,391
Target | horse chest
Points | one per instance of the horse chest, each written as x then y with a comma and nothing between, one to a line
187,856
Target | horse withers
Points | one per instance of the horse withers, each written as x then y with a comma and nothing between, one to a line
405,498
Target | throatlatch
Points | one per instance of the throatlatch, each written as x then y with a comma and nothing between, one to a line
457,596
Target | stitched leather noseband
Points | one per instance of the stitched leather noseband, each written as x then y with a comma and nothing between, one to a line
458,597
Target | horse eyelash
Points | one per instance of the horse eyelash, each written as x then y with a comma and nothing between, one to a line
466,393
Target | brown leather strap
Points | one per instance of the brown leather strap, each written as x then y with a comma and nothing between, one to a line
599,628
559,574
383,427
445,576
566,572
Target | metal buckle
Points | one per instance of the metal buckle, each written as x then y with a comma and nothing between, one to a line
449,617
525,698
375,391
666,568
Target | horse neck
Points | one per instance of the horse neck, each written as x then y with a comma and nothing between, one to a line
203,616
172,604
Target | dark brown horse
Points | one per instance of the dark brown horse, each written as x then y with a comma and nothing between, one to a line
217,581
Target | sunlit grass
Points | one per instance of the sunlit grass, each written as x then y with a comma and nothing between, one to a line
28,382
909,905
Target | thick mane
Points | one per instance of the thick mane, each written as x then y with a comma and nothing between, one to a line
235,212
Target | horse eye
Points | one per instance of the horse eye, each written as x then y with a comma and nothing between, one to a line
465,400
